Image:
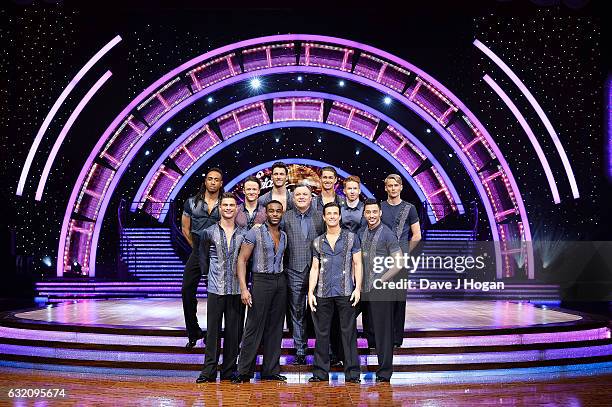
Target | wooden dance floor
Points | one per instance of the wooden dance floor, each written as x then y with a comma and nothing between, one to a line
420,315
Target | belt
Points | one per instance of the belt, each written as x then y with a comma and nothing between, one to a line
268,275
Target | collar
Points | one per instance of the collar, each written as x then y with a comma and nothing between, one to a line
376,228
306,213
356,207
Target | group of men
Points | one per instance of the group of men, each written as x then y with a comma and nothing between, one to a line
304,253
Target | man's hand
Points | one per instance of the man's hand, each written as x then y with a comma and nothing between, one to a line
245,296
355,296
312,302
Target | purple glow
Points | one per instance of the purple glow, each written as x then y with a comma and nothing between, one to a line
66,129
236,105
43,128
290,124
539,111
371,360
534,141
307,69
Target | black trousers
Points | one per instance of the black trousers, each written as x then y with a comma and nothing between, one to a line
269,295
219,307
381,319
322,319
364,308
399,310
297,298
191,280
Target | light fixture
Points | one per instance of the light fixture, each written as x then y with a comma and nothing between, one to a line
255,83
387,100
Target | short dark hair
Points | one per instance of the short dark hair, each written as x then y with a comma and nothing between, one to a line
274,201
371,201
252,178
330,205
330,169
280,164
228,195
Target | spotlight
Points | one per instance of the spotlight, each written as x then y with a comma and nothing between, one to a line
255,83
387,100
168,129
277,139
210,99
450,155
147,152
46,261
428,130
341,83
357,152
319,140
299,78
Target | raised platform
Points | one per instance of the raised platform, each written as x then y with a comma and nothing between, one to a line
439,335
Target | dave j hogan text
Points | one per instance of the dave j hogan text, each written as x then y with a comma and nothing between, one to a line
426,284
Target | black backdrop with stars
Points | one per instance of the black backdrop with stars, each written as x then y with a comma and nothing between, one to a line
558,52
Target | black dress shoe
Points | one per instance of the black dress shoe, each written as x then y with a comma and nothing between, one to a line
316,379
193,341
336,362
205,379
241,378
355,380
382,380
229,378
276,377
299,360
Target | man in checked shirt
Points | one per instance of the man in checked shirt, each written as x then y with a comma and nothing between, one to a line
220,246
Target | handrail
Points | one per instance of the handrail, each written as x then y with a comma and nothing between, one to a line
125,244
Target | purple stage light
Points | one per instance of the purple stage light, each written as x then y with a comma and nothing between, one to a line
534,141
43,128
371,113
67,126
553,134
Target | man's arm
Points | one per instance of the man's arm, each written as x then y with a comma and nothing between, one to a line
395,269
312,283
204,254
357,276
415,228
245,253
186,228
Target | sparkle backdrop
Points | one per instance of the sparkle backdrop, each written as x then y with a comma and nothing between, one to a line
557,56
562,72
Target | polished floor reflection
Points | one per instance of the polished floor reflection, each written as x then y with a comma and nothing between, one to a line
529,388
425,314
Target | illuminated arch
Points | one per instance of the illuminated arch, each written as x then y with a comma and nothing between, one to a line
284,54
395,144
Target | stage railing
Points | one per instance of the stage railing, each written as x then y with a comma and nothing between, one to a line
127,250
451,217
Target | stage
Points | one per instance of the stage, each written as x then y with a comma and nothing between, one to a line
148,334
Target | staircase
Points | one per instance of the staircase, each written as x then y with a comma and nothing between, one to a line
150,255
444,243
